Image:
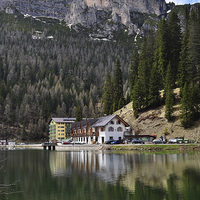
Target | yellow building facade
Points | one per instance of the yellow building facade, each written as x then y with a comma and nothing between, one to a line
60,128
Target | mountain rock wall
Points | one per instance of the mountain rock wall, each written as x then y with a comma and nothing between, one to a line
89,13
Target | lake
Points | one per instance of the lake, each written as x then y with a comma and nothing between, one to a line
98,175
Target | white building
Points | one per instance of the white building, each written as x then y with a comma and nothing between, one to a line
99,130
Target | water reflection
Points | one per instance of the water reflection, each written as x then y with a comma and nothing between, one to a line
147,176
50,175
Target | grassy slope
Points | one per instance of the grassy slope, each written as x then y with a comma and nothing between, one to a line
154,122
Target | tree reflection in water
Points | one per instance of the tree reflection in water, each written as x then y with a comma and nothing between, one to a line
101,175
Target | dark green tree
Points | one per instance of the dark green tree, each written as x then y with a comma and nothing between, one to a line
145,66
137,97
79,113
169,98
195,101
174,44
120,104
193,45
161,56
186,107
183,75
107,95
133,73
154,86
118,86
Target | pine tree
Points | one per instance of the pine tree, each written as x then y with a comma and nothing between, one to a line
169,99
174,44
137,97
79,113
118,86
107,95
120,104
183,76
145,65
186,106
161,56
193,45
154,94
133,73
195,101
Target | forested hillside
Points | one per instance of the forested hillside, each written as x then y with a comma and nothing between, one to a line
49,70
169,59
43,77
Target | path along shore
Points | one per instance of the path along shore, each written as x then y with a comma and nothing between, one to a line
125,147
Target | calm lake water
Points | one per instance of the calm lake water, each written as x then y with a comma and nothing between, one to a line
101,175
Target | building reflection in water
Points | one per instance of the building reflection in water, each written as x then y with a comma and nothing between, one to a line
151,169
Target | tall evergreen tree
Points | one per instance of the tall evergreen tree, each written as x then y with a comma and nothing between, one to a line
154,94
186,106
193,45
169,100
174,43
161,57
137,97
133,73
118,86
145,65
79,115
107,95
183,75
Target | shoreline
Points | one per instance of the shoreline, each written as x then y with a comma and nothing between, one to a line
124,147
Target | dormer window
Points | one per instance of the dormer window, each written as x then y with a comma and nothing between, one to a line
118,122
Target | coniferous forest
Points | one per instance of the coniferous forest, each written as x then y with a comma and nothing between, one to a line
168,58
43,77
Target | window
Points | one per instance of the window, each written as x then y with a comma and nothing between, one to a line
119,129
102,129
111,122
110,129
118,122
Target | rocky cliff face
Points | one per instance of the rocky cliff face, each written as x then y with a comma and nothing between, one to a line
105,13
89,12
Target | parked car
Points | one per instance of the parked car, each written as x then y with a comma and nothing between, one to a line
116,142
173,141
66,142
137,141
158,141
109,141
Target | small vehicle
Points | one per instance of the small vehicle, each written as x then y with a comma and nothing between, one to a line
116,142
158,141
137,141
66,142
186,141
180,140
109,141
173,141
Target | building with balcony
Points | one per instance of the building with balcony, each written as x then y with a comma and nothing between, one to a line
60,128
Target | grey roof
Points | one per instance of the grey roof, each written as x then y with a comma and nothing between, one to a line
102,121
64,120
84,123
98,122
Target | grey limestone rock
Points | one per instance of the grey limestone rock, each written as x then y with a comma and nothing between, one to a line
88,13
